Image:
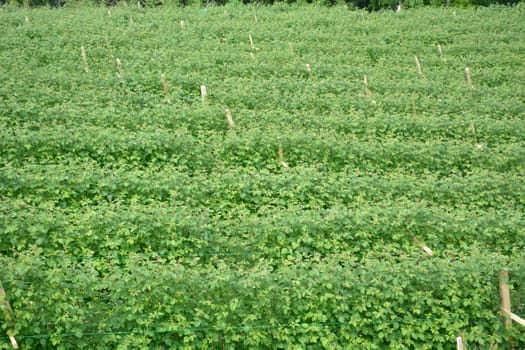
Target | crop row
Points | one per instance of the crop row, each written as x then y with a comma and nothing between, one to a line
334,301
254,148
361,229
368,123
71,184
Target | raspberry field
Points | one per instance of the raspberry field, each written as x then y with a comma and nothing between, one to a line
293,206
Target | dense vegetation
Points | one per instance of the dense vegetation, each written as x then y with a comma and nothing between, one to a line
135,215
370,5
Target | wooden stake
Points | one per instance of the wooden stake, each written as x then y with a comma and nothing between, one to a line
469,79
84,59
130,19
109,13
165,86
8,314
182,25
518,319
229,117
255,18
281,158
473,130
440,50
367,90
505,297
204,94
427,250
252,56
308,69
423,246
120,73
252,45
13,342
418,66
460,344
138,5
27,19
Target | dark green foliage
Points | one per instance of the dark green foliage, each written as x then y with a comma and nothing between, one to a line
129,219
331,302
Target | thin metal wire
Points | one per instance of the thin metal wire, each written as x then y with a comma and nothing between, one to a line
245,327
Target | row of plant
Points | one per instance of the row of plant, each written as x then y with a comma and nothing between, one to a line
254,148
360,229
141,94
71,184
375,123
331,302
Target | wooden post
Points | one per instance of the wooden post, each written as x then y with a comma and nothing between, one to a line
517,319
165,86
281,158
473,130
505,300
252,45
229,117
440,50
255,18
130,19
27,19
367,90
8,314
469,78
182,25
308,69
84,59
423,246
204,94
418,66
120,73
460,344
505,297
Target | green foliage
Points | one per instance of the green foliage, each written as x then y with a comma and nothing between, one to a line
132,219
331,302
370,5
